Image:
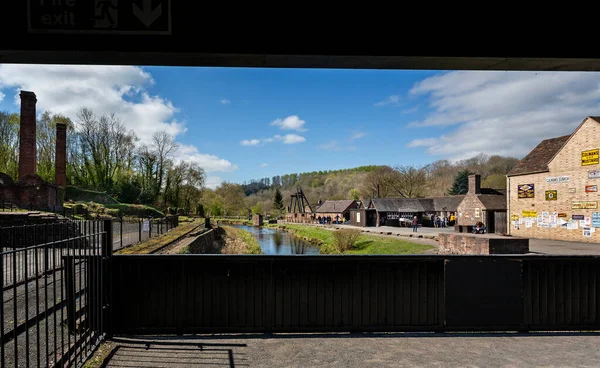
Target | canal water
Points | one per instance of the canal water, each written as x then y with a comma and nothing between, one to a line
276,242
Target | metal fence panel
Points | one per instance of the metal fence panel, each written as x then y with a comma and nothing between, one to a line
48,289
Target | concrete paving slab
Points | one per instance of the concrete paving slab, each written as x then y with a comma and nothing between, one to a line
360,350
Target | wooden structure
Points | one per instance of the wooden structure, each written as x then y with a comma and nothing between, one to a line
299,209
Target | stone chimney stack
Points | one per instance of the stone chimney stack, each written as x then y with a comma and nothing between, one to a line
60,161
27,139
475,184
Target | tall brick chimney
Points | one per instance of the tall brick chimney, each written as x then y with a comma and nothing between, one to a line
475,184
60,162
27,139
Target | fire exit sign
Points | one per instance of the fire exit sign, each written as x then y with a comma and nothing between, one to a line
118,17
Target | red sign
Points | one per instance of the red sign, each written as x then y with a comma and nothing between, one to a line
591,188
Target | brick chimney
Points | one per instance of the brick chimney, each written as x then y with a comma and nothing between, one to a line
60,161
474,184
27,139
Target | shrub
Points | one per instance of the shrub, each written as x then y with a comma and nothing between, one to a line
344,239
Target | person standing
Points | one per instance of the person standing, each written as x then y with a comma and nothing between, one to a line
415,224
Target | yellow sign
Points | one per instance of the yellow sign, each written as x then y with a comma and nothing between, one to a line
551,195
590,157
514,217
584,205
529,213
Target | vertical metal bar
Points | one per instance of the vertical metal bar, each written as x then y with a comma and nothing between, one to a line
62,294
77,245
37,298
45,250
14,283
2,319
106,274
26,263
121,234
140,230
54,273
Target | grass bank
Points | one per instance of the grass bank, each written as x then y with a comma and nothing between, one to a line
220,221
366,244
160,241
238,241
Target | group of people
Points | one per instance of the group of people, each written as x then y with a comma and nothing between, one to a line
326,220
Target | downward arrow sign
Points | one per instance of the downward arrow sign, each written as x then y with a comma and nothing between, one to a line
147,15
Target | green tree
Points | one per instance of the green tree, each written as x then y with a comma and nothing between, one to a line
353,194
461,182
278,202
257,209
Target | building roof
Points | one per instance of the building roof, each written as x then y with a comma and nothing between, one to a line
493,201
449,203
538,159
398,204
335,206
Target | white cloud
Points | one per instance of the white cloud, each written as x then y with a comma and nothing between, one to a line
331,146
504,113
264,165
210,163
358,135
225,101
411,110
250,142
213,181
121,90
290,123
391,100
290,138
426,142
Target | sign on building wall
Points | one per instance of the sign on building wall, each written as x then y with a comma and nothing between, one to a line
551,195
584,205
557,179
590,157
578,217
593,174
526,191
529,213
562,215
596,219
591,188
358,217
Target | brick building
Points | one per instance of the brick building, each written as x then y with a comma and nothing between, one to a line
336,209
482,205
553,191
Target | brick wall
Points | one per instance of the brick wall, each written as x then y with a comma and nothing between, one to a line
481,244
32,193
566,163
467,211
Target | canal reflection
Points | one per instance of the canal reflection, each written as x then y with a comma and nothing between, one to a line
278,242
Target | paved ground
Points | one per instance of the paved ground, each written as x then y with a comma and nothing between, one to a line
428,234
374,350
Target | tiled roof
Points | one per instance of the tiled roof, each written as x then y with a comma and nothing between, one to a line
493,202
537,160
335,206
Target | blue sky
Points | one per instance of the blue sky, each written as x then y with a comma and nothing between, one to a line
242,124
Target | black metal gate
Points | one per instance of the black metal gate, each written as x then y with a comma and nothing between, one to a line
55,294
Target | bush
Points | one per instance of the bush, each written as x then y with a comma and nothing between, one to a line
345,239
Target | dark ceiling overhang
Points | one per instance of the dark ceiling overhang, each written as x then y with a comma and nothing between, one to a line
242,35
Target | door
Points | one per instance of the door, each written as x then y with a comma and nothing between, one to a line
500,222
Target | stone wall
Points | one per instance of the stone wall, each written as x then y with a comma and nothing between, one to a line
481,244
205,243
552,218
31,193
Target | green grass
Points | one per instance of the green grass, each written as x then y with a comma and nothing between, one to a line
366,244
135,210
155,243
251,244
85,195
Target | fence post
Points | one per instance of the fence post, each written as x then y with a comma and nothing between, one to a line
107,254
121,233
140,223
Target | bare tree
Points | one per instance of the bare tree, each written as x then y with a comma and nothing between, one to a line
409,181
165,146
377,183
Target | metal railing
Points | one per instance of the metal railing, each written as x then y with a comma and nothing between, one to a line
54,292
127,232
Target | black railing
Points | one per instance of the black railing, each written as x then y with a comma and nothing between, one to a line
7,206
128,232
54,292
